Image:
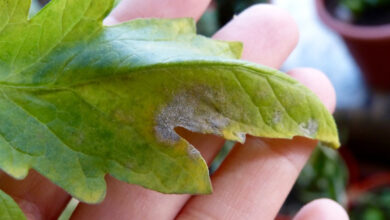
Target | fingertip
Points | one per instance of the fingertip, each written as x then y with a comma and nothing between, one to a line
322,209
317,82
269,34
131,9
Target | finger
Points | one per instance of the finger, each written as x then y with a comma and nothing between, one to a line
37,196
271,34
130,9
126,201
253,181
256,177
322,209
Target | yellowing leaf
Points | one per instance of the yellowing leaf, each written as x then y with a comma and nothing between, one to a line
79,100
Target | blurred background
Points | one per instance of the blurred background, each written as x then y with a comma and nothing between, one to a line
349,40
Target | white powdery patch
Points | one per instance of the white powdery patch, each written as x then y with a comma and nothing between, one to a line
188,111
310,128
277,117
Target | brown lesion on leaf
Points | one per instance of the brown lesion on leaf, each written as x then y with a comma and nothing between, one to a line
277,117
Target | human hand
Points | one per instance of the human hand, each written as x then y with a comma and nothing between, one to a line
256,177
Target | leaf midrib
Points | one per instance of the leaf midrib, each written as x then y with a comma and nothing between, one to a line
253,70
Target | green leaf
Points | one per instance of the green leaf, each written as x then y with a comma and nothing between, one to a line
79,100
9,210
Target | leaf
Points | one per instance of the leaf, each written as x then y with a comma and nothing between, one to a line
79,100
9,210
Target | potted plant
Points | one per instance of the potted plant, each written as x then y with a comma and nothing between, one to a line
325,176
365,27
228,8
370,198
220,12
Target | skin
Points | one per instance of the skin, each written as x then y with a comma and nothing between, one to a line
256,177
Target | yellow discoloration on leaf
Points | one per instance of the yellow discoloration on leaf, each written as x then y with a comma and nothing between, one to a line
79,101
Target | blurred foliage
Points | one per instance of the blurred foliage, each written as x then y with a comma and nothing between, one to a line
228,8
362,12
325,175
222,11
208,23
373,205
359,6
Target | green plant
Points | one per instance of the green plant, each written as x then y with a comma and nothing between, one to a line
221,12
372,205
325,175
359,6
228,8
364,12
79,100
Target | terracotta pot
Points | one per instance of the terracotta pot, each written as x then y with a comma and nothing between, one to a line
369,45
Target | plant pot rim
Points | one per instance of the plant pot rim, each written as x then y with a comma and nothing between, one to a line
375,32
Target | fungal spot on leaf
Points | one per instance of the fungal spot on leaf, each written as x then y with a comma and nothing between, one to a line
310,128
192,111
277,117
